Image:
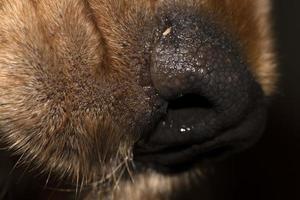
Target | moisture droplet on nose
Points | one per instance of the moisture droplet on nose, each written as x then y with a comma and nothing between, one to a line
185,129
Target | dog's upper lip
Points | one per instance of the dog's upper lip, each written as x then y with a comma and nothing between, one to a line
169,146
182,158
190,125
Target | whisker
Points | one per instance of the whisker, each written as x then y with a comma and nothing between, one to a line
48,178
16,164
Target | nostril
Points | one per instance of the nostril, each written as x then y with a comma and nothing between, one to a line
190,101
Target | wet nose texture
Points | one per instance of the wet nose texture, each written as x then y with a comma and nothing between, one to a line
215,104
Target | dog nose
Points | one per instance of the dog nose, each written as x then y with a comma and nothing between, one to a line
193,57
215,103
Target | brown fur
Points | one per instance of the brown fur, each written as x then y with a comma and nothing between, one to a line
71,89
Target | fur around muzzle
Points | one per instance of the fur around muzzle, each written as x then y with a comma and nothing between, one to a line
100,92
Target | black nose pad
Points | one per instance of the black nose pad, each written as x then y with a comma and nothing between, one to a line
214,100
195,57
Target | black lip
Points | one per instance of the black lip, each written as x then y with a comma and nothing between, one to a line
200,143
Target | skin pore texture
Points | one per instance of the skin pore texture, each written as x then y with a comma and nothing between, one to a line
89,89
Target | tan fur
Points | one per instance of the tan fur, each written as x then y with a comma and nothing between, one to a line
70,90
151,185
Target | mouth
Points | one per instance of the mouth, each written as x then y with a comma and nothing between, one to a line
193,131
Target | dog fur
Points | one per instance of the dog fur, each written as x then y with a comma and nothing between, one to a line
70,83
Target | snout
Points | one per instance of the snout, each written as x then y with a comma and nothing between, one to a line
215,105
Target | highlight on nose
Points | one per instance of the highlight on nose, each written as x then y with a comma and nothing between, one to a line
215,104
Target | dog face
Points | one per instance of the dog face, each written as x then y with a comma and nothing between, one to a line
89,88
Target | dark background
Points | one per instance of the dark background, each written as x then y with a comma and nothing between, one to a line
271,169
